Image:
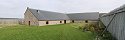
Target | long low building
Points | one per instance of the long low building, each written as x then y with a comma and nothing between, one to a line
41,17
10,21
84,17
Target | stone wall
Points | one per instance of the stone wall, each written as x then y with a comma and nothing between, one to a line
29,17
43,23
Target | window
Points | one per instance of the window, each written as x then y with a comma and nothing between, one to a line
60,21
86,21
47,22
72,21
29,23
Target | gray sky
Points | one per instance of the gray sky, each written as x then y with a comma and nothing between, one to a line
16,8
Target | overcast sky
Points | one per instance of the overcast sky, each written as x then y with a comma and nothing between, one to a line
16,8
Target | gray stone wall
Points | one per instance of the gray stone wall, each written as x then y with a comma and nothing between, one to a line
28,16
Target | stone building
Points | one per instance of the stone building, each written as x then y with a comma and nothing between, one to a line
84,17
41,17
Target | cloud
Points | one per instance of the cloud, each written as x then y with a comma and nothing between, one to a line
16,8
76,5
12,8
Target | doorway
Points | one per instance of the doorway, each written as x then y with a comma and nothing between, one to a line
72,21
29,23
60,21
86,21
64,21
47,22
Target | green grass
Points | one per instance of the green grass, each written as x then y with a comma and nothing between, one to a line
53,32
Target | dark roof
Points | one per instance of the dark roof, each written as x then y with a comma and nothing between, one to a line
84,16
47,15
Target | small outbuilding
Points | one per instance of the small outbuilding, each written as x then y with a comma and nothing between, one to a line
9,21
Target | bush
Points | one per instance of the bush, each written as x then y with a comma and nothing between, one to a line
106,35
89,27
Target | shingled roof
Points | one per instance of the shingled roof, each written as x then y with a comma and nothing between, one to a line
84,16
47,15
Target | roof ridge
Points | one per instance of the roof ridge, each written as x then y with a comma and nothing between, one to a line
45,10
47,15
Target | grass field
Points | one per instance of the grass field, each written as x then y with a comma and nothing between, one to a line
53,32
